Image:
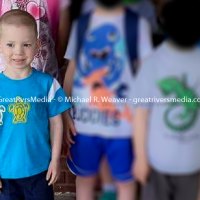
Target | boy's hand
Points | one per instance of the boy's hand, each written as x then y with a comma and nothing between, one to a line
141,170
53,172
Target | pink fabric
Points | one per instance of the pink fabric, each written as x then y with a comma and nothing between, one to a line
53,7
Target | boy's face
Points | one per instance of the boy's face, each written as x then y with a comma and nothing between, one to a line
18,45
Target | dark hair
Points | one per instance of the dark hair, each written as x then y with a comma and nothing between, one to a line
18,17
75,9
180,19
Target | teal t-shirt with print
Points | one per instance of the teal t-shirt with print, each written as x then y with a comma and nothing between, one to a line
25,109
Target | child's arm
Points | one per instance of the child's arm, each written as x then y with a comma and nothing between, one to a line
69,128
70,54
56,134
69,77
63,33
141,167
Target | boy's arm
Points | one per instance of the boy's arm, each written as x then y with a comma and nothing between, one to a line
70,54
141,167
68,128
56,135
68,125
63,34
69,77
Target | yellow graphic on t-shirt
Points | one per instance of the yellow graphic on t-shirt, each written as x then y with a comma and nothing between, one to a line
20,110
2,110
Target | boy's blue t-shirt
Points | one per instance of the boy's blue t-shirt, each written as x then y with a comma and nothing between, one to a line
25,109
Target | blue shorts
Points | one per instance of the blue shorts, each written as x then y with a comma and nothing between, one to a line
88,151
31,188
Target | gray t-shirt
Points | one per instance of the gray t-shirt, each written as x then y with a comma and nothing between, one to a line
103,72
167,76
144,46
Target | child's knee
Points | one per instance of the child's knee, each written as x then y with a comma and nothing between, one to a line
86,181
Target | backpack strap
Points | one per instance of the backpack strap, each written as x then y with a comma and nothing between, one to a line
82,26
131,34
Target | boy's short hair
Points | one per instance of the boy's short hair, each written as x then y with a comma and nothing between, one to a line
180,20
18,17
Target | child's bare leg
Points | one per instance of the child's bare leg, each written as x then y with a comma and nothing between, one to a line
106,178
85,187
125,190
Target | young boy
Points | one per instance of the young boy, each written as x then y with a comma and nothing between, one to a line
30,120
52,26
167,134
102,69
